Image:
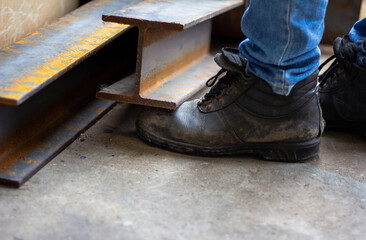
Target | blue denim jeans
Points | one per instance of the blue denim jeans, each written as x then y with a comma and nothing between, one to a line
358,35
283,38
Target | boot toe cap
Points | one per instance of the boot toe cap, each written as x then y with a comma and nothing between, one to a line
184,125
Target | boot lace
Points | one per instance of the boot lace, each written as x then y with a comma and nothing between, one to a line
223,82
331,72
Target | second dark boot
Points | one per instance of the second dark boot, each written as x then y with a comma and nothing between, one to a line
342,88
240,115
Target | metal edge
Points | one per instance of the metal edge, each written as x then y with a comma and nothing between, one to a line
143,23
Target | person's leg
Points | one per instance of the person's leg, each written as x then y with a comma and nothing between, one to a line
342,88
283,38
267,103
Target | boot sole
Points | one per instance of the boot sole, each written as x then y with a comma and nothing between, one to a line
284,152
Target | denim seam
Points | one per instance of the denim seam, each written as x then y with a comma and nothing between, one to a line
361,55
287,45
363,45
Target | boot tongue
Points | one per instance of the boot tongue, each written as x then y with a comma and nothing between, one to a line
345,49
232,63
231,60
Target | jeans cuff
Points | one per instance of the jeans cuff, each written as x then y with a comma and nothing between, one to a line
361,53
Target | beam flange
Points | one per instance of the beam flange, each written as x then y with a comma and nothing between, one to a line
173,59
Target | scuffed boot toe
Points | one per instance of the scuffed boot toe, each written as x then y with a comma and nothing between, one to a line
185,130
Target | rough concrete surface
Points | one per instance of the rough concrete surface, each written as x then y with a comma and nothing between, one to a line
110,185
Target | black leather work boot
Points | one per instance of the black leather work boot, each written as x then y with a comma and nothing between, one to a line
240,115
342,88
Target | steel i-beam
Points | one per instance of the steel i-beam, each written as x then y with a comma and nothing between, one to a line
52,77
173,60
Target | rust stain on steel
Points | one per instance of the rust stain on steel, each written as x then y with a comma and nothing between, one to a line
31,161
99,110
12,173
153,35
170,56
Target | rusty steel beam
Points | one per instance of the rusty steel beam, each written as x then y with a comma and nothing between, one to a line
52,76
48,83
32,133
32,63
169,70
173,59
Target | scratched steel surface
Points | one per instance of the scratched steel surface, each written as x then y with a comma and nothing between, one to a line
29,64
171,14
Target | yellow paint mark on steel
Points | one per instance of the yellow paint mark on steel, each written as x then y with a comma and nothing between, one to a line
11,172
100,110
69,127
148,1
9,49
31,161
55,65
101,2
22,41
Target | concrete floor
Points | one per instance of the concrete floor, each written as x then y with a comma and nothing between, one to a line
110,185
